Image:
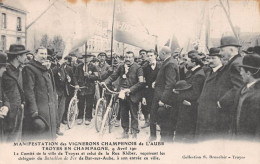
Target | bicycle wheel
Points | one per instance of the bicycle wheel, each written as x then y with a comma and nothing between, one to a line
105,122
72,113
113,115
99,113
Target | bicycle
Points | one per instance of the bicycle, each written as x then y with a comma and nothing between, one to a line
106,115
73,110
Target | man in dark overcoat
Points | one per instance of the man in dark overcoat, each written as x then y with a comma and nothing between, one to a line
187,113
228,82
150,74
207,108
246,111
165,81
12,84
131,79
4,102
40,97
86,78
104,69
63,77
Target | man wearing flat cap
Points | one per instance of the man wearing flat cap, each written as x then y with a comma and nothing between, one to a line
104,69
13,87
4,102
246,109
228,82
87,74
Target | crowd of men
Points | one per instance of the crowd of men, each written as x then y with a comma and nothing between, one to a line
192,97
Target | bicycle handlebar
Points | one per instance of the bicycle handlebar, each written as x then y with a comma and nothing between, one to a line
113,92
75,87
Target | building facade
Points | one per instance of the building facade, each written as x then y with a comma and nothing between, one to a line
12,24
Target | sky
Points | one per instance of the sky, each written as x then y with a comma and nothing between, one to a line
179,18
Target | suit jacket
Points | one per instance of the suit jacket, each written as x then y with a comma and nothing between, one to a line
131,81
87,81
150,77
103,71
64,77
166,79
246,113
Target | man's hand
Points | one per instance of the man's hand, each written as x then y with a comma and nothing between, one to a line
3,111
103,84
76,86
185,102
153,84
144,101
160,103
35,114
127,92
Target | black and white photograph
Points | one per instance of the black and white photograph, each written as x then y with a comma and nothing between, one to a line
125,81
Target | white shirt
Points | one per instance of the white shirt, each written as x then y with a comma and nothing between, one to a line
153,66
194,68
217,68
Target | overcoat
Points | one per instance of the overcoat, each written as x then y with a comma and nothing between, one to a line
40,96
12,86
246,113
187,115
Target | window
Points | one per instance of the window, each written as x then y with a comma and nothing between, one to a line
18,40
3,20
19,24
3,43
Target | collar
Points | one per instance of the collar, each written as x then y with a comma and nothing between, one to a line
251,84
167,58
217,68
194,68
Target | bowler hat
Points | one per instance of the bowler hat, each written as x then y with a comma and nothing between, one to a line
182,85
250,50
39,124
214,51
256,49
229,41
3,59
251,61
16,49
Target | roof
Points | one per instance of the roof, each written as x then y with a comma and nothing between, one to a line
14,4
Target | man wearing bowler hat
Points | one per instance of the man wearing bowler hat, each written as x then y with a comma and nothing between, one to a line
246,111
206,127
228,82
4,102
12,84
40,97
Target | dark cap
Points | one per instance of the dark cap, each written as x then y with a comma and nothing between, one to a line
102,54
88,55
229,41
256,50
